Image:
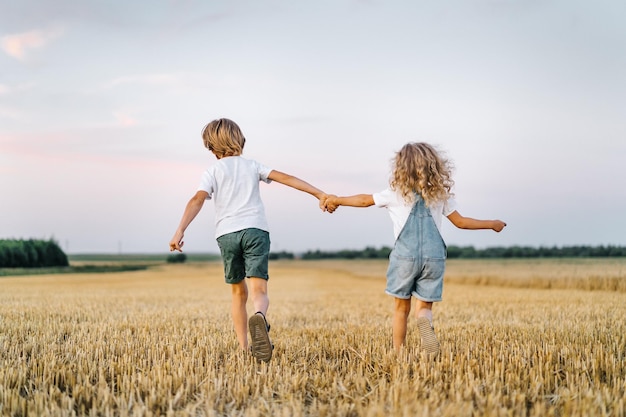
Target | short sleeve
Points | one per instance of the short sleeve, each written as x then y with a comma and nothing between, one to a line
263,172
449,206
384,198
388,198
207,183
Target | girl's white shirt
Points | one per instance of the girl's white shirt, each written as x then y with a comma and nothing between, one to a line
399,209
233,184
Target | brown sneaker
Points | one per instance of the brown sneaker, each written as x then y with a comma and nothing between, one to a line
430,344
261,344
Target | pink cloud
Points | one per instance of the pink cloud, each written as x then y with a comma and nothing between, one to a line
63,148
17,45
124,120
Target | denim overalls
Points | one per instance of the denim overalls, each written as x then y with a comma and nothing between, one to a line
417,261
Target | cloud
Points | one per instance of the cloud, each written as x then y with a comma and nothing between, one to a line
148,79
18,45
124,119
177,82
9,113
6,90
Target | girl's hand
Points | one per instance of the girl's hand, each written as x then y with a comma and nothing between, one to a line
331,204
498,225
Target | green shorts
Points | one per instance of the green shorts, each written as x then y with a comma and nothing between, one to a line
245,253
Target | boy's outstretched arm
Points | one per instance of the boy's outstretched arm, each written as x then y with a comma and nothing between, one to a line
298,184
474,224
191,211
358,200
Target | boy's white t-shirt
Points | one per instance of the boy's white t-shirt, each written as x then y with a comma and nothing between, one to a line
399,209
233,184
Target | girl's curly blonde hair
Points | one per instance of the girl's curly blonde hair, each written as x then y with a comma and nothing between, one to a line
224,138
419,168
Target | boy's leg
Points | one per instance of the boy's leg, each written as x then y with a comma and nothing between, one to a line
240,315
261,344
258,293
400,318
256,248
234,274
255,245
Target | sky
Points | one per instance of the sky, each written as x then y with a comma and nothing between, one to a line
102,104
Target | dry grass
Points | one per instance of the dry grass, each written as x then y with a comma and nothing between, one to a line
160,342
601,274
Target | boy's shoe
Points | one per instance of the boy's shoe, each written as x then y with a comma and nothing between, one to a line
261,344
430,344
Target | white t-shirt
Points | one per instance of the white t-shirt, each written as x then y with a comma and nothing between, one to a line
233,183
399,209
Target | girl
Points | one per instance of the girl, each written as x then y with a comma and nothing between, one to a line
418,197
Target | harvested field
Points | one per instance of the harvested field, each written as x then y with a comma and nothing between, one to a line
519,338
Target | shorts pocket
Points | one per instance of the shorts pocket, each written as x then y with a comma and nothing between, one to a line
434,268
430,283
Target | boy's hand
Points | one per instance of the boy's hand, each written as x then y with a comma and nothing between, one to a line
177,242
323,199
330,205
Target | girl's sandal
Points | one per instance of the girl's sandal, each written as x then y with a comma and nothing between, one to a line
430,344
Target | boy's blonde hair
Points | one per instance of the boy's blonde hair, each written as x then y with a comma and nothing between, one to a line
224,138
419,168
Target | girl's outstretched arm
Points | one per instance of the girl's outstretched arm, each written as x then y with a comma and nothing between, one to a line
474,224
358,200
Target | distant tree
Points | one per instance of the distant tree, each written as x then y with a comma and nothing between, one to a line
281,255
469,252
177,258
53,254
461,252
367,253
31,253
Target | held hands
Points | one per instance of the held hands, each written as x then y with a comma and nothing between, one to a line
328,202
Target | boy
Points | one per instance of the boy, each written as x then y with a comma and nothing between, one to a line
241,227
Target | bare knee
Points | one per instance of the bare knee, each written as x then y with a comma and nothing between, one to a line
239,291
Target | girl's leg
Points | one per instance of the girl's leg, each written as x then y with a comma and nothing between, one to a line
429,341
239,293
400,317
424,309
258,293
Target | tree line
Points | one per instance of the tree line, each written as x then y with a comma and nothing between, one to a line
31,253
468,252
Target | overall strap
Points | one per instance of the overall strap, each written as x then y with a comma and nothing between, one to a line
420,238
419,206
